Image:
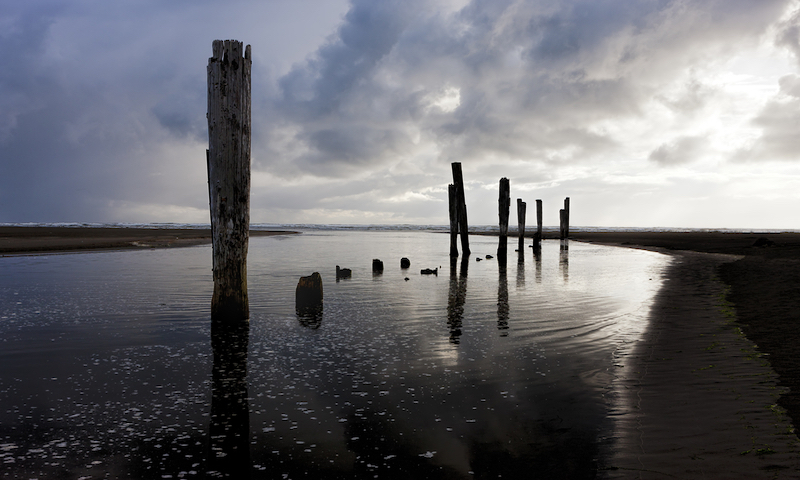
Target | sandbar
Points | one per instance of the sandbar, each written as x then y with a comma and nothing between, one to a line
15,240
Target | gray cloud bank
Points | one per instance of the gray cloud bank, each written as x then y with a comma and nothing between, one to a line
102,108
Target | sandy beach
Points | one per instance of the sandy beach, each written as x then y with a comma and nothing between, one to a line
712,390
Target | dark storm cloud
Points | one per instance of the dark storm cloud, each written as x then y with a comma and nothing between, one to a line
780,117
533,78
680,151
183,112
22,78
789,35
341,67
103,103
778,122
85,121
695,96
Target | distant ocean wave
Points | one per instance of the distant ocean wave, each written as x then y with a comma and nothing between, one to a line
478,229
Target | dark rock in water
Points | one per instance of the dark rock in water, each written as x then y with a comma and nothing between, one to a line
343,272
478,259
406,279
377,266
489,257
763,242
428,271
405,262
309,292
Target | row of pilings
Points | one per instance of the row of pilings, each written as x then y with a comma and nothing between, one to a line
458,216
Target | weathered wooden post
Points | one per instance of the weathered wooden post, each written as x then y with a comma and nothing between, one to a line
458,180
562,226
453,204
566,220
521,208
228,163
503,207
537,240
537,237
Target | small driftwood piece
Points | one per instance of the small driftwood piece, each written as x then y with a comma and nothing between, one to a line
308,293
343,272
377,266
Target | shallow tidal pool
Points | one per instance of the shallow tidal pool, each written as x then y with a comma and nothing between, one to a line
108,369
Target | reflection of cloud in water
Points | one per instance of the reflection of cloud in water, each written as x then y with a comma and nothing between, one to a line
133,376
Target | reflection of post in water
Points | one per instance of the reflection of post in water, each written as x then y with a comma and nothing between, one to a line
563,260
502,302
537,258
456,298
229,429
308,298
309,317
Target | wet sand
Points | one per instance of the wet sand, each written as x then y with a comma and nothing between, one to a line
34,240
706,392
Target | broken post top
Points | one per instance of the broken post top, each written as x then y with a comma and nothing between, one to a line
229,51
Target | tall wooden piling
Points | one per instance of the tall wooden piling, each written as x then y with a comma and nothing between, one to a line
503,207
566,220
463,229
537,240
521,209
228,163
453,204
562,227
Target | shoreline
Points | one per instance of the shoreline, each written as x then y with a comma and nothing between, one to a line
714,384
694,397
764,290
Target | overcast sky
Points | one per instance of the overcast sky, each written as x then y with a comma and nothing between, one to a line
645,113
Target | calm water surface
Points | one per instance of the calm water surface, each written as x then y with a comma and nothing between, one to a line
107,368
